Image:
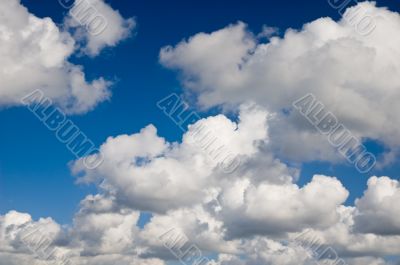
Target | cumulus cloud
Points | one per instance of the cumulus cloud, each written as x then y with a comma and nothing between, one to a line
378,209
351,73
259,204
97,25
19,231
220,212
38,50
98,236
270,208
137,165
259,198
103,232
100,230
349,243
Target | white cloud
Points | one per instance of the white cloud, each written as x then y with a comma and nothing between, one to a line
269,252
105,233
98,25
101,228
19,228
272,208
349,243
225,213
97,237
378,210
258,198
355,76
34,48
137,165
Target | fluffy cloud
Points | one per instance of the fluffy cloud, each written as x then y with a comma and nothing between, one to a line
351,73
347,242
38,50
258,198
97,25
105,233
137,165
19,231
272,209
259,204
100,229
100,235
378,209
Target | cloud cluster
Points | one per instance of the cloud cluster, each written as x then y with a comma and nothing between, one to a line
352,74
245,216
37,49
248,220
137,165
260,199
378,209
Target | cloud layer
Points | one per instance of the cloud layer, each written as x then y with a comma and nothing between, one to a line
255,215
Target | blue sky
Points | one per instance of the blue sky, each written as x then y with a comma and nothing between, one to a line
35,174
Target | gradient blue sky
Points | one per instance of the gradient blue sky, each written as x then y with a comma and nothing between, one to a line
34,172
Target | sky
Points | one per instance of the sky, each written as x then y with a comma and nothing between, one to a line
239,66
